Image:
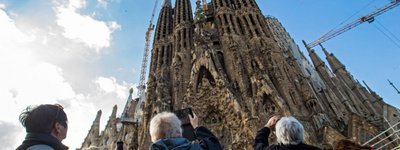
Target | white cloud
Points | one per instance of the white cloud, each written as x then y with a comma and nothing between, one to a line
2,6
36,69
30,83
6,135
9,32
83,28
114,26
110,85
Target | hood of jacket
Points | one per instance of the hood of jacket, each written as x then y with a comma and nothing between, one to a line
178,143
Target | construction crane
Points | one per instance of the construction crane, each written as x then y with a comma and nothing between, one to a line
141,87
368,18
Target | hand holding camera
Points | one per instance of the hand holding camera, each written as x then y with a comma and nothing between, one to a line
189,121
194,120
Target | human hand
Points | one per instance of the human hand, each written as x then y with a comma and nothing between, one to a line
194,120
272,122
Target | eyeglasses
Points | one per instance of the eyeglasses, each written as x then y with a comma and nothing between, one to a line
59,107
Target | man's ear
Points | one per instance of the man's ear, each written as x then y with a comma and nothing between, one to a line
57,126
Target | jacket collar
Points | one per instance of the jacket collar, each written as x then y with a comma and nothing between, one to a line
41,138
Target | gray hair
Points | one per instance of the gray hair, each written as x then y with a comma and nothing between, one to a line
165,125
289,131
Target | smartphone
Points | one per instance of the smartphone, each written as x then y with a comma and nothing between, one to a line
187,128
120,145
183,115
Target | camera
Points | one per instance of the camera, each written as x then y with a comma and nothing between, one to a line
187,128
182,114
120,145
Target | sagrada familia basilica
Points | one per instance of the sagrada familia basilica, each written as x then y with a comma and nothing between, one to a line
236,68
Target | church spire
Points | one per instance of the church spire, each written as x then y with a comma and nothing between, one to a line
97,119
252,20
165,21
317,61
161,58
341,72
93,136
333,61
183,46
114,112
325,51
183,12
166,3
162,48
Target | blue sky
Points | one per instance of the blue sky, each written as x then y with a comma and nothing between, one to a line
86,54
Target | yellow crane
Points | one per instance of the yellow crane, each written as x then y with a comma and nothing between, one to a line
141,87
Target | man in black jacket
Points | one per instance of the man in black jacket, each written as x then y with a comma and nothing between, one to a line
289,133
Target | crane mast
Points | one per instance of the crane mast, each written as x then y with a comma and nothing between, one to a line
368,18
142,87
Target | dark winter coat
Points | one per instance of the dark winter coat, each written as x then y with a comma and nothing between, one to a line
207,142
261,143
40,141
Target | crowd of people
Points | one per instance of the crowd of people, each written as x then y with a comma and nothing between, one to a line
47,125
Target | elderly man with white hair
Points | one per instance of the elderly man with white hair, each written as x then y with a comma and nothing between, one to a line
289,134
166,134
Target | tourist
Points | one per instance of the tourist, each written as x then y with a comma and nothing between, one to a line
289,134
46,126
349,145
166,133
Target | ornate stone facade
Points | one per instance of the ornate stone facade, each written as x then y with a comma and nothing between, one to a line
237,68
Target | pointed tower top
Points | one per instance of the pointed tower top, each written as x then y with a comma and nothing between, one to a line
316,60
114,111
325,51
131,91
130,94
98,116
166,3
308,49
369,89
333,61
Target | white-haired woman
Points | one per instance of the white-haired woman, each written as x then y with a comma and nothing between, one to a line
166,134
289,134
